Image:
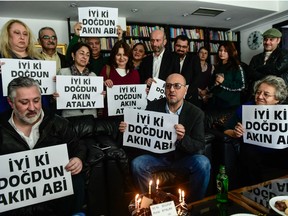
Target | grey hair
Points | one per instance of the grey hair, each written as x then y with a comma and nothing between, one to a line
45,28
21,82
278,83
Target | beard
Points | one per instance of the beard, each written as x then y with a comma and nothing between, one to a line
24,118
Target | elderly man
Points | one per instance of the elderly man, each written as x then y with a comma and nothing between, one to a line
273,61
187,157
28,127
161,63
48,39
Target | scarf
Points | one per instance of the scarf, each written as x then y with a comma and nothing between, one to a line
76,72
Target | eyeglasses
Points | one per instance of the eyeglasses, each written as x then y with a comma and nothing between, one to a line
175,85
47,37
265,94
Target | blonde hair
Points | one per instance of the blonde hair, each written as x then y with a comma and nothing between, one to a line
5,47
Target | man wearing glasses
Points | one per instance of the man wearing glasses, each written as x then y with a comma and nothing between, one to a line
187,158
48,40
190,66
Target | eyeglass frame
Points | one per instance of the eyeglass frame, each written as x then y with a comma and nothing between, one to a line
265,94
47,37
176,86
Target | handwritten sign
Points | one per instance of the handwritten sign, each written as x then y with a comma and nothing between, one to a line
164,209
34,176
157,90
41,71
150,131
266,125
98,21
79,92
121,96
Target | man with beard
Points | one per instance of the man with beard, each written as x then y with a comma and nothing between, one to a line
190,67
48,40
28,127
272,61
161,63
187,158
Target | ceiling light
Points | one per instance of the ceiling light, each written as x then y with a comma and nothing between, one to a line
135,10
73,5
185,14
207,12
228,18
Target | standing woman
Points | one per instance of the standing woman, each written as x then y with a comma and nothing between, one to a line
228,79
138,53
17,42
81,54
205,75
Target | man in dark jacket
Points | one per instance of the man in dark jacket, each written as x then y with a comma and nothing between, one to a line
273,61
161,63
187,158
190,67
28,127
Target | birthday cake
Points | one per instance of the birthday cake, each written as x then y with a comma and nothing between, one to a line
143,208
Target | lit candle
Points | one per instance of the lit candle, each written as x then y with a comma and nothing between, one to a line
150,184
183,195
138,204
157,184
180,199
136,199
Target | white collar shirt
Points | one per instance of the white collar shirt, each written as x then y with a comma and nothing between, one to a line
157,63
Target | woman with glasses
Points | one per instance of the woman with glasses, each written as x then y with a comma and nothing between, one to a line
256,160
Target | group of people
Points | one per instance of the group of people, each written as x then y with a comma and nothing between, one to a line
192,85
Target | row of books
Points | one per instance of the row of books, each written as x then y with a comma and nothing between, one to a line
194,45
140,31
190,33
214,47
223,35
107,43
134,41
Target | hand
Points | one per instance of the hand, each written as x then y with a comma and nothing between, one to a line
108,83
122,126
149,81
219,79
55,95
1,63
239,130
104,93
77,28
180,131
74,166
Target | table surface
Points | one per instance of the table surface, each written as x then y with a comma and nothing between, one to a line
251,199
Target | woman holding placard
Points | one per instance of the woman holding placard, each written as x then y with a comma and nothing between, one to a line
259,163
81,54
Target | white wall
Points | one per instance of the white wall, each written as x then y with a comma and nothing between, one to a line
246,53
61,27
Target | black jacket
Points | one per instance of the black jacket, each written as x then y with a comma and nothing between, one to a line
53,130
277,64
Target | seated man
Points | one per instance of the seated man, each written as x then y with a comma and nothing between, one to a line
29,127
187,157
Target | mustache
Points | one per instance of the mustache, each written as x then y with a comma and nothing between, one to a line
51,43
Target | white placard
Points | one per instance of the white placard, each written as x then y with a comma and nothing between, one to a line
150,131
157,90
121,96
266,125
34,176
98,21
79,92
40,70
164,209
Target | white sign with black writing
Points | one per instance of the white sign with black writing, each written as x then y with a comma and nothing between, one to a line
40,70
266,125
98,21
34,176
121,96
150,131
157,90
164,209
79,92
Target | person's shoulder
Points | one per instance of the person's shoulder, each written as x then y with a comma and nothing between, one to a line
191,107
65,71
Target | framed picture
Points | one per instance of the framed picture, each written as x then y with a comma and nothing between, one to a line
61,48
